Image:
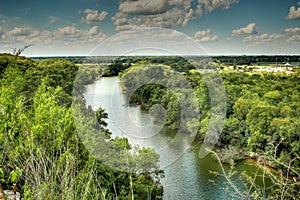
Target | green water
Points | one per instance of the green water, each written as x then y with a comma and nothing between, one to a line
186,175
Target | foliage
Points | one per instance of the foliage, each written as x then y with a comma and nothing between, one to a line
149,84
120,64
38,134
40,148
262,108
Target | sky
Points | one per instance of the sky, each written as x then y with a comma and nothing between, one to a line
219,27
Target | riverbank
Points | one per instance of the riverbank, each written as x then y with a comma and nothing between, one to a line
227,153
186,176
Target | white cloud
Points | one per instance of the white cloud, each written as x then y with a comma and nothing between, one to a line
169,19
27,35
262,38
166,15
292,30
72,34
20,31
205,36
289,35
199,10
211,5
163,13
294,13
61,35
93,16
68,31
248,30
293,34
144,7
94,30
188,17
294,38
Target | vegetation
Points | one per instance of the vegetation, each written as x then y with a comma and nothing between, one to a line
276,60
261,108
265,184
42,155
18,52
262,115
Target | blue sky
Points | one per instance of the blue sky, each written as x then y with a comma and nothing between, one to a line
75,27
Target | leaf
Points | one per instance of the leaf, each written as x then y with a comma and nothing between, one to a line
15,175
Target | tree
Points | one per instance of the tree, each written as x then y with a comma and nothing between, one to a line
260,117
18,52
39,137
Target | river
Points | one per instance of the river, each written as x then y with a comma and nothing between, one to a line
188,177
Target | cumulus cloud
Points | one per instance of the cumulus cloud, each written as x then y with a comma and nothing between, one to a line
199,10
20,31
155,13
262,38
144,7
292,30
205,36
294,38
188,17
211,5
26,34
95,30
163,13
71,33
248,30
29,35
289,35
294,12
68,30
93,16
293,34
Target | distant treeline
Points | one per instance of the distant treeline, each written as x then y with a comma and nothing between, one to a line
256,60
230,60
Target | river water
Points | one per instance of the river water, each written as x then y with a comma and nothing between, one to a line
186,175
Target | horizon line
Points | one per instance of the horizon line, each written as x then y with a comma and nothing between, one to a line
188,55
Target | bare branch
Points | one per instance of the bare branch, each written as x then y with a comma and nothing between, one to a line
19,51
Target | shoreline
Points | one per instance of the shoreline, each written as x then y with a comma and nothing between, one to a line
252,157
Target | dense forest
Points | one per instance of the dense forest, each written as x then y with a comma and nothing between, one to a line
262,110
42,156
